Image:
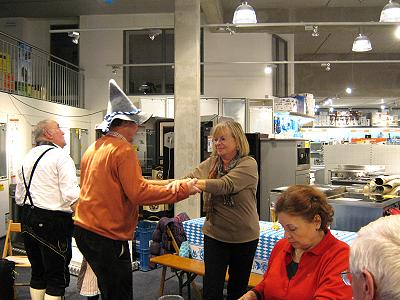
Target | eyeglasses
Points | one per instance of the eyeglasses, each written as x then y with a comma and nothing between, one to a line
346,277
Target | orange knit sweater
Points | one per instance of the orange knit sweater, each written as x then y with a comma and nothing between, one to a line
112,188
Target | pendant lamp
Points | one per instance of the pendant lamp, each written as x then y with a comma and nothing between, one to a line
244,14
361,43
391,12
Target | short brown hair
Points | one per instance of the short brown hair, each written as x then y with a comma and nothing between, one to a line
307,202
237,133
118,123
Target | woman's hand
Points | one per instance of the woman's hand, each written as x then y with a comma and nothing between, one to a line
193,189
250,295
174,185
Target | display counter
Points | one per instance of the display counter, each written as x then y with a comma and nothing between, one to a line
352,210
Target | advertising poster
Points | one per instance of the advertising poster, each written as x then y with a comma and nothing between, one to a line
24,68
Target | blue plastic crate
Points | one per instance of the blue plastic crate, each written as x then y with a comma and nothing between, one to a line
144,233
144,259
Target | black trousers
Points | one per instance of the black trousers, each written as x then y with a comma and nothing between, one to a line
110,261
217,257
47,238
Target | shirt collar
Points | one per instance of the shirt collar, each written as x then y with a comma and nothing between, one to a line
319,249
42,143
117,135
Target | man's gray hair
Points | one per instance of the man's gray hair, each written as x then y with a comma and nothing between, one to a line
38,131
377,249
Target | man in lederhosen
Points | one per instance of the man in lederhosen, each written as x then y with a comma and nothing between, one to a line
47,187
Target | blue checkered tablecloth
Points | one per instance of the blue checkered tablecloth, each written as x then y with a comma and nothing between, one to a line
268,238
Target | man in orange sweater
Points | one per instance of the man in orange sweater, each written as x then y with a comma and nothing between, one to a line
112,189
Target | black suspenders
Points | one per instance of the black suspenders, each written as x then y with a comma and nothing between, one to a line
27,186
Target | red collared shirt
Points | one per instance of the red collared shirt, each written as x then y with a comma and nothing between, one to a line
317,277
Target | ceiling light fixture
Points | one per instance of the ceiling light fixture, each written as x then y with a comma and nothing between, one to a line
75,36
361,43
154,33
244,14
315,31
268,69
114,69
327,66
391,12
397,32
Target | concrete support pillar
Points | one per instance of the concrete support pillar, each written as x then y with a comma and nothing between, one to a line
187,96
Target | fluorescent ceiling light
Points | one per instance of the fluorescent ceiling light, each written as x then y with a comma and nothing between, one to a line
397,32
268,70
75,36
362,43
391,12
244,14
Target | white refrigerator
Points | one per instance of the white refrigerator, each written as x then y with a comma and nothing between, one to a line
4,204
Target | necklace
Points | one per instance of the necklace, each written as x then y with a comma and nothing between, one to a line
297,253
117,135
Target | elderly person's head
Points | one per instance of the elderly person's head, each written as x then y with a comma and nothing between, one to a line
49,131
305,215
375,260
229,140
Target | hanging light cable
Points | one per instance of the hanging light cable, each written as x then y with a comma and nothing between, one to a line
391,12
244,14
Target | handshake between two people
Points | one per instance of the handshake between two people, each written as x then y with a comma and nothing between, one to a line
194,185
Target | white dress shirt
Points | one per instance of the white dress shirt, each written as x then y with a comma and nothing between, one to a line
54,184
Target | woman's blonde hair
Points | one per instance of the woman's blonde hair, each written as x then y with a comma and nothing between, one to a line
237,133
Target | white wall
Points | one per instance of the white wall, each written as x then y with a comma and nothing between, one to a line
12,26
33,31
237,80
21,113
102,47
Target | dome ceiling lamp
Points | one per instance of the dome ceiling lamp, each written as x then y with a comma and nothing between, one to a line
361,43
391,12
244,14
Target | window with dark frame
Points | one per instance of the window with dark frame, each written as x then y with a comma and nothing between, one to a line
280,73
155,78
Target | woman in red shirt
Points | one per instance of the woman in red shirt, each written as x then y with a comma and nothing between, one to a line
305,264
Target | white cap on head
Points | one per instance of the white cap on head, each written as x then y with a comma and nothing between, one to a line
120,107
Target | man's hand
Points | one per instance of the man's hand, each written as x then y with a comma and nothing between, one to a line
73,206
174,185
250,295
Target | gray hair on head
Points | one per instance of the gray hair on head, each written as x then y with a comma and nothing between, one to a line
376,249
38,131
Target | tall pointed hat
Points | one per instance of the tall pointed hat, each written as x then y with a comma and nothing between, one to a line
121,107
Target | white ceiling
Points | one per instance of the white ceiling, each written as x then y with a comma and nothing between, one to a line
71,8
332,41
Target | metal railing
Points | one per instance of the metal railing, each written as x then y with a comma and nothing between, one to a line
29,71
